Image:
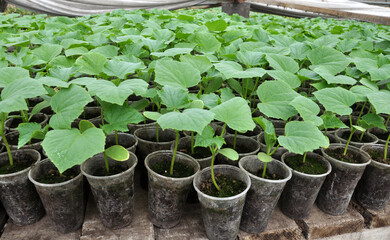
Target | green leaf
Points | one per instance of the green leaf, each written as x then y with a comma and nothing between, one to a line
288,77
207,139
210,100
359,128
171,52
236,114
108,51
275,97
337,100
121,69
10,74
380,100
264,157
53,82
331,79
206,42
69,147
232,69
91,63
331,121
329,59
47,51
229,153
117,152
77,51
216,26
109,92
202,63
84,125
250,58
176,74
192,119
152,115
269,131
282,63
68,104
307,109
37,108
174,98
27,131
372,120
301,137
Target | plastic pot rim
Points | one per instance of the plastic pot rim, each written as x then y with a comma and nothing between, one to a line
24,170
306,174
349,147
341,130
154,128
372,160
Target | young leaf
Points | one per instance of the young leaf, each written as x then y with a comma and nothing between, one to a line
269,131
380,100
372,120
47,51
337,100
264,157
216,26
307,109
84,125
207,42
229,153
288,77
91,63
117,153
121,69
234,70
174,98
329,59
202,63
10,74
152,115
282,63
331,121
207,139
27,131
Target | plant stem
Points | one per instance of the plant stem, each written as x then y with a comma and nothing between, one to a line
192,143
386,146
264,170
361,111
157,138
387,121
2,122
24,116
349,140
274,150
223,130
361,137
174,152
350,121
116,137
235,140
106,161
213,150
304,157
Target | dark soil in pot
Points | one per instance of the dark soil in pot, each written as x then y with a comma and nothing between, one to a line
17,193
167,195
252,134
62,195
373,190
244,146
126,140
301,191
13,138
113,194
342,135
339,186
12,123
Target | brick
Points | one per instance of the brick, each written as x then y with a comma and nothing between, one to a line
374,218
366,234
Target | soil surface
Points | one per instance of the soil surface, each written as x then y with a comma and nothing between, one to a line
311,165
161,138
242,148
229,186
350,157
356,137
199,152
268,175
180,170
102,172
18,165
378,156
53,176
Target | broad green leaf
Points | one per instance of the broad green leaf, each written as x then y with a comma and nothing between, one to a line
337,100
229,153
380,100
196,104
206,42
251,58
10,74
68,147
307,109
236,114
207,139
331,79
210,100
27,132
192,119
91,63
23,88
202,63
359,128
117,152
174,98
84,125
282,63
275,97
152,115
234,70
108,51
288,77
37,108
216,26
330,121
119,116
108,92
176,74
328,58
264,157
47,51
68,104
301,137
361,92
299,50
171,52
269,131
372,120
77,51
52,82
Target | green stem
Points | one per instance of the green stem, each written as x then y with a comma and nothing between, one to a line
387,121
274,150
106,161
192,143
157,138
361,111
235,140
326,130
304,157
2,122
24,116
174,152
254,89
350,121
386,146
213,150
223,130
349,140
116,137
264,170
361,137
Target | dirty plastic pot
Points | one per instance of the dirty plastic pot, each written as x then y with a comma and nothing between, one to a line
18,195
63,202
343,133
166,195
263,194
13,137
12,123
92,114
301,191
222,216
340,184
252,134
114,195
133,127
245,146
126,140
381,134
373,191
185,143
263,147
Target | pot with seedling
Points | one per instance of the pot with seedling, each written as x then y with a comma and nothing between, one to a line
17,193
268,178
265,139
348,162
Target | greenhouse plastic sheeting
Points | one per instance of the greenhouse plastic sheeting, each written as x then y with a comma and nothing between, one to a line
86,7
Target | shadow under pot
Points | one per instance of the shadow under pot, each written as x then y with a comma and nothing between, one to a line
339,186
13,138
126,140
18,195
167,195
222,215
92,114
264,193
343,134
263,147
12,123
245,146
373,191
381,134
113,191
252,134
301,191
62,196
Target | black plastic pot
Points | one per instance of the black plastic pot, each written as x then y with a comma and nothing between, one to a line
301,191
222,216
126,140
340,184
252,134
343,133
133,127
63,202
245,146
12,123
263,194
381,134
373,190
114,195
18,195
13,137
263,147
166,195
92,114
185,143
